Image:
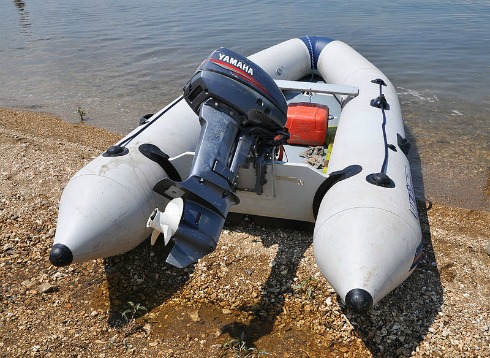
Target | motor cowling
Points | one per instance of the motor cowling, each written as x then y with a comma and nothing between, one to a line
239,107
234,80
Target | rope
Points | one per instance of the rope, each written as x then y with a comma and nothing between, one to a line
381,103
384,167
126,141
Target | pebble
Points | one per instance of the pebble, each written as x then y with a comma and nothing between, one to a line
47,288
487,248
195,316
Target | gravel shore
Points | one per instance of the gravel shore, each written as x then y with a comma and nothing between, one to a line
259,293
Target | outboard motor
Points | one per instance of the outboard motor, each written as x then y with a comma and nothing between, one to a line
242,114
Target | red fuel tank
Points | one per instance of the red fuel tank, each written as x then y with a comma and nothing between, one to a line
307,123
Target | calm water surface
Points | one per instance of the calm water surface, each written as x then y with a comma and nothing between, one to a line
119,60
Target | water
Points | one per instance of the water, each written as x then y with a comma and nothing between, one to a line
121,59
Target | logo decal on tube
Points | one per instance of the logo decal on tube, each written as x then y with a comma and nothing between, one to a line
411,194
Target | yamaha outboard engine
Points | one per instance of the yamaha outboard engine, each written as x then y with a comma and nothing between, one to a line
242,112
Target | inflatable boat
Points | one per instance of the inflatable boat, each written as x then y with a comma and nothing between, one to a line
308,121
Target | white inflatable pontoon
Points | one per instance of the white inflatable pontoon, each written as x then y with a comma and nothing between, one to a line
223,146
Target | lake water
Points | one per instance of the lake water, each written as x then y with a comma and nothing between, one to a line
121,59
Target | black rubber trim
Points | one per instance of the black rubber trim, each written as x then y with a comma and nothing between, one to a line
155,154
359,300
380,179
144,119
60,255
115,151
403,144
333,179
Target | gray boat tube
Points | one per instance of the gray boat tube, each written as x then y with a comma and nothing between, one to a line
104,208
367,237
367,234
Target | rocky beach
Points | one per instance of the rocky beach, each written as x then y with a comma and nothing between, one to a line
260,293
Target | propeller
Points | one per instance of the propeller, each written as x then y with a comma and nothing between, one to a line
166,222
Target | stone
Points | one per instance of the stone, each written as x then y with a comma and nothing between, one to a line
195,316
47,288
487,248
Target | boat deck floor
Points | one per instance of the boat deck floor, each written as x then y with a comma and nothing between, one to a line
292,152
